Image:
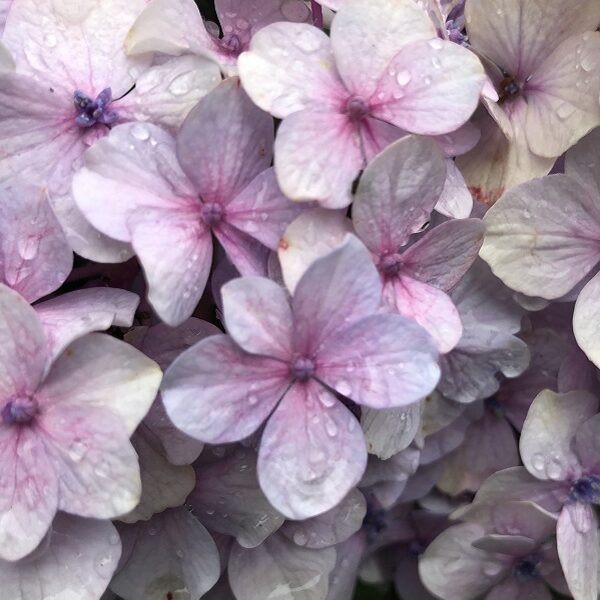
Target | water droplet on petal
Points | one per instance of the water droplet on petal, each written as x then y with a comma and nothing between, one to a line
50,40
343,387
140,132
404,77
538,461
300,538
436,44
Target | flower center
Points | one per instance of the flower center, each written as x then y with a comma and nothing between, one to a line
526,568
212,213
20,410
390,265
586,489
509,88
90,112
231,43
303,368
374,521
357,108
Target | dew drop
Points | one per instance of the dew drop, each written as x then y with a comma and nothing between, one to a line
331,428
180,85
77,450
436,44
300,538
492,569
538,462
28,247
343,387
50,40
436,62
140,132
403,78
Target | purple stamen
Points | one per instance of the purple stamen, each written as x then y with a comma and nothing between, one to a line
212,213
357,108
90,112
390,265
232,43
20,410
586,489
303,368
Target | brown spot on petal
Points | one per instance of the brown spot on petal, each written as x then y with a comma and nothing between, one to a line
169,595
283,245
487,197
263,151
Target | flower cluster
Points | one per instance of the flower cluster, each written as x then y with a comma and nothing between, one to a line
299,297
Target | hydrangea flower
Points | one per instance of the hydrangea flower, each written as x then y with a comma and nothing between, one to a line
293,359
58,102
548,82
176,27
212,178
342,99
65,427
542,237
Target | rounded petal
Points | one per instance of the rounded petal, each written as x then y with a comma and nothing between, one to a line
23,353
35,257
284,566
75,314
366,35
336,290
564,99
171,552
216,405
318,155
381,361
229,498
586,320
541,238
218,167
311,454
258,316
312,235
99,371
81,554
582,162
416,94
548,432
290,67
456,200
397,192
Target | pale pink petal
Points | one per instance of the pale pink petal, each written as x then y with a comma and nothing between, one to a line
74,314
171,552
75,47
29,496
586,320
460,141
518,590
99,371
283,566
397,192
475,570
577,540
165,94
330,528
377,135
219,167
390,430
290,67
541,238
416,94
456,200
170,27
490,445
312,235
586,442
366,35
131,169
35,257
247,254
318,155
336,290
80,554
582,161
163,485
563,99
444,254
430,307
23,354
312,452
175,250
258,316
96,465
515,36
549,428
230,501
262,211
498,164
217,406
